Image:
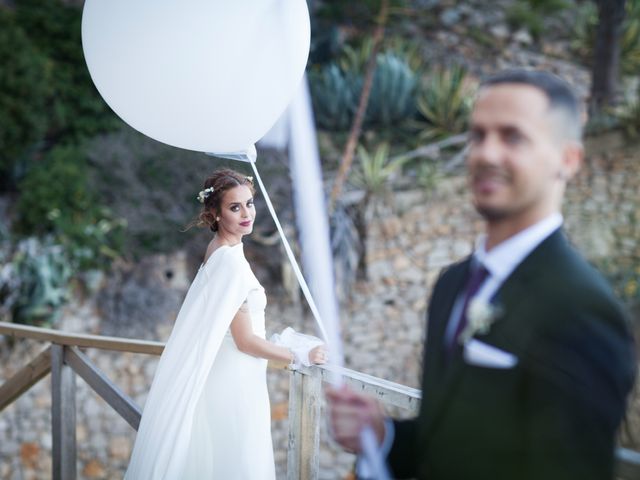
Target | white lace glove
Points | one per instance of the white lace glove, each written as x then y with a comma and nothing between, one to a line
299,344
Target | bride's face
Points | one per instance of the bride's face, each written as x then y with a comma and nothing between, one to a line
237,212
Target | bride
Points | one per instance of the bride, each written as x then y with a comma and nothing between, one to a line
207,415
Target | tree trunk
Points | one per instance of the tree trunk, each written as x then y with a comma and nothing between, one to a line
356,127
606,58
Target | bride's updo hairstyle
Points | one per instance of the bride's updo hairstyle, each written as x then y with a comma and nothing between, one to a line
213,191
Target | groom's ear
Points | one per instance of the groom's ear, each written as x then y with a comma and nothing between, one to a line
572,159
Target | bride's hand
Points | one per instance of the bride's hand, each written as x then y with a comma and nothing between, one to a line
318,355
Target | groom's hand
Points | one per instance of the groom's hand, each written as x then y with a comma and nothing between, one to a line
349,413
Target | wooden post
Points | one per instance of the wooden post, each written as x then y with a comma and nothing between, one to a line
305,402
63,416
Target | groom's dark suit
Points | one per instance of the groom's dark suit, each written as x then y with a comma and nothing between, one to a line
553,416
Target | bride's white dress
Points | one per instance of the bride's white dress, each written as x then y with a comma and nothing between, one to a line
207,415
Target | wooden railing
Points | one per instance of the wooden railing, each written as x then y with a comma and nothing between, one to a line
64,360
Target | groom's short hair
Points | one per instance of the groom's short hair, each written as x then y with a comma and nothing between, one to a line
562,99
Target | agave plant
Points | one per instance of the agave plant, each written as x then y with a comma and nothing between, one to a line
445,103
336,87
354,59
393,94
409,50
334,101
347,249
375,169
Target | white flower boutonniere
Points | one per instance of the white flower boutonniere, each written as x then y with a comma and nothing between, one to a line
480,315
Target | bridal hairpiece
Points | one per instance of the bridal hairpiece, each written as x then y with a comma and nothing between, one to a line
204,194
250,179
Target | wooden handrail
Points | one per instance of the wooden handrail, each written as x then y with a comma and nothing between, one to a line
81,339
304,407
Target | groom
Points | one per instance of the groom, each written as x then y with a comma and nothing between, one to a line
528,358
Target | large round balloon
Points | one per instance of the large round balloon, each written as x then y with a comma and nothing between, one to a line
206,75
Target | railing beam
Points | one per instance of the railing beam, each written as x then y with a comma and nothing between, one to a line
63,416
389,393
25,378
80,339
107,390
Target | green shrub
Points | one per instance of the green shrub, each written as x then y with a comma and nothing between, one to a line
46,94
154,187
630,48
584,34
548,6
428,175
529,14
56,200
628,117
24,90
445,103
56,183
361,13
584,30
75,109
521,15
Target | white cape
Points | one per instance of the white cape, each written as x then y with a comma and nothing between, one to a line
162,446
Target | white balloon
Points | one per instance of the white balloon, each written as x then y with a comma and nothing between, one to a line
205,75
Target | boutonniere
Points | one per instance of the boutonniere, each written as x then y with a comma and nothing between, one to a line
480,316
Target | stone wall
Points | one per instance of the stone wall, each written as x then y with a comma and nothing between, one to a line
411,236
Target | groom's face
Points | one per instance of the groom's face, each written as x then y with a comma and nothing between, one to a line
515,157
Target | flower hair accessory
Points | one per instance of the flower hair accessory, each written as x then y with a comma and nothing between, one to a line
204,194
250,179
481,315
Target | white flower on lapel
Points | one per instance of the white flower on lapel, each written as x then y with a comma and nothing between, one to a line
480,316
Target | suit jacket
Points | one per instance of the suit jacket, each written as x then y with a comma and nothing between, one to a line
553,415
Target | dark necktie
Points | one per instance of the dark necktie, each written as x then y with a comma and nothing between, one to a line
478,274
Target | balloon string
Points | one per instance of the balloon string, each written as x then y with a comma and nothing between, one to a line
296,269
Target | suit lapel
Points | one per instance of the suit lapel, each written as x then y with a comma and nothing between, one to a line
544,258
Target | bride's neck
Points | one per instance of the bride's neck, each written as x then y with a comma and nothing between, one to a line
223,238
